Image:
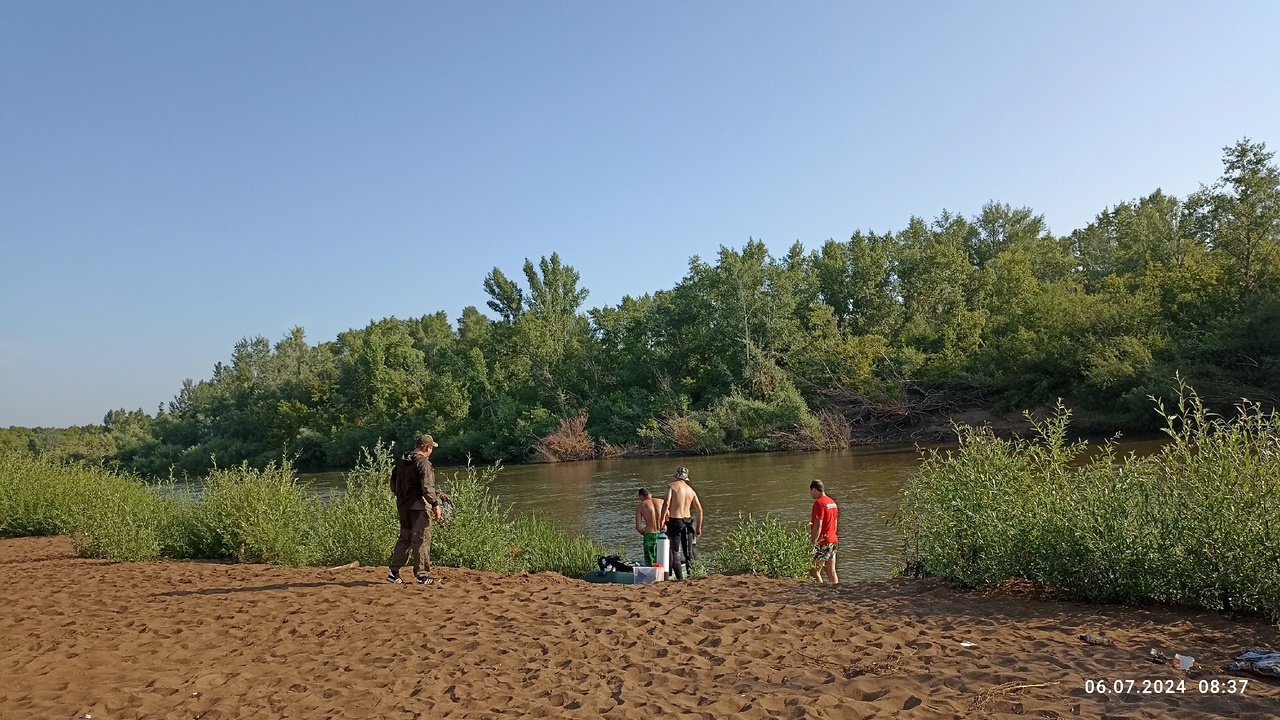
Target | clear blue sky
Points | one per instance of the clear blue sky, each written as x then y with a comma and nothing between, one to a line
177,176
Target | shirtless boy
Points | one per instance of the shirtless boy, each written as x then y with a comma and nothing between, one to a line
647,512
681,528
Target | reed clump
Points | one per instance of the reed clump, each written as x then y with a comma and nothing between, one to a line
1197,523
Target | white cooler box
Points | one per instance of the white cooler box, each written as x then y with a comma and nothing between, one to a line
649,575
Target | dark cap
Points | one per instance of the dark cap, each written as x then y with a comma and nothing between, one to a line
426,441
681,473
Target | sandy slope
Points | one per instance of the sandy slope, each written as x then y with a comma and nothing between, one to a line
205,640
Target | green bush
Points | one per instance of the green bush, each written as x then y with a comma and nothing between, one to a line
777,419
36,496
684,433
482,534
360,525
180,526
246,514
1197,523
754,423
119,524
258,515
107,514
766,546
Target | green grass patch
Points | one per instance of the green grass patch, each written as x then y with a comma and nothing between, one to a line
541,546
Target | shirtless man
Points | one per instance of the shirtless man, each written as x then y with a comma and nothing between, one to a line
647,514
681,528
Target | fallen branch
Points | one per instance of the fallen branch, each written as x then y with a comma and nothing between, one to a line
1005,689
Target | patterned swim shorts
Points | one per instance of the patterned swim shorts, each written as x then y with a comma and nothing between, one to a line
825,552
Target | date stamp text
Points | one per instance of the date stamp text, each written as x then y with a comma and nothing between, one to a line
1157,686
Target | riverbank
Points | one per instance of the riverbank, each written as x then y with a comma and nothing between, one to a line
865,427
172,639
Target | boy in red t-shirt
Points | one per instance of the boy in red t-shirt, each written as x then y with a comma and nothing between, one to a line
822,533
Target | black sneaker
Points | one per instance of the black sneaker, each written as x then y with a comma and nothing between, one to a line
424,579
393,577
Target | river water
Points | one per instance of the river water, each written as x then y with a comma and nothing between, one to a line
597,498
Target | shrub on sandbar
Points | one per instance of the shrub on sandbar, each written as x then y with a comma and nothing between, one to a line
766,546
360,524
487,536
246,514
1197,523
258,515
107,514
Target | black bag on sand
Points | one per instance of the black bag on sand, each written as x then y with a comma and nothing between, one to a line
614,563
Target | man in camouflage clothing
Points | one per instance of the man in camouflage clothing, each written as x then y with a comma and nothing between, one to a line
413,482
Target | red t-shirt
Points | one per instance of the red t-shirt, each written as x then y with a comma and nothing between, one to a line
827,512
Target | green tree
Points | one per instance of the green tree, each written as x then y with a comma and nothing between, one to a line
942,314
1244,219
506,297
855,279
1134,239
740,349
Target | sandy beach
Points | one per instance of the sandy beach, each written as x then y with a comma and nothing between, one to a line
88,638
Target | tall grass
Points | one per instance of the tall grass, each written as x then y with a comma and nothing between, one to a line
541,546
258,515
766,546
38,497
360,525
252,515
105,513
117,522
1198,523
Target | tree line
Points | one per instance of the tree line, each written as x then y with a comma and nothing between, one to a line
860,338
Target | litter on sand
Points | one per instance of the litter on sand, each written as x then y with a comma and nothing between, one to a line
1097,640
1262,662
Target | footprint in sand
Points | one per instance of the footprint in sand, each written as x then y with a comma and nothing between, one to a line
211,680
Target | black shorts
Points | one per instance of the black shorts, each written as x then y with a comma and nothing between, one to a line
823,553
